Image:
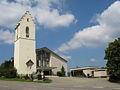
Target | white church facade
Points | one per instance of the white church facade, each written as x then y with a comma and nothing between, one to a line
28,59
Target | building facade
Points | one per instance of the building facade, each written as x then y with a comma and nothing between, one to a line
49,62
28,59
24,45
100,73
88,72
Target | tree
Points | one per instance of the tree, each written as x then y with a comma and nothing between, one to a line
62,72
7,69
112,54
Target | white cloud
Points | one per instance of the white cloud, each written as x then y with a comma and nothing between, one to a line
53,19
107,30
10,13
92,59
42,10
6,36
66,57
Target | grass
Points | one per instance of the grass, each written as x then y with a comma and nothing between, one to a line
45,81
23,80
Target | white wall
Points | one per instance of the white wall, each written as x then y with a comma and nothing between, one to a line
25,46
58,63
100,73
86,72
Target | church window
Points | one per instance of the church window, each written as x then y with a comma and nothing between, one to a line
27,19
27,31
16,34
44,58
29,63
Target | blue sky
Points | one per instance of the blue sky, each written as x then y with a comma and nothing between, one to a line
78,30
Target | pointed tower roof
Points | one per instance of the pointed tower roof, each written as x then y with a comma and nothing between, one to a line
26,13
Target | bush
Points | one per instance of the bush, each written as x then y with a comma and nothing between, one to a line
8,73
26,77
39,77
59,73
62,72
7,70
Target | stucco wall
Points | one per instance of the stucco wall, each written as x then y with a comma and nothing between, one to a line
58,63
100,73
86,72
25,46
26,52
16,55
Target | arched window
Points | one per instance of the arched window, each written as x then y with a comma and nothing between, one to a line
27,31
27,19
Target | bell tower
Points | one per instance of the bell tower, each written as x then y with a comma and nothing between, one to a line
25,45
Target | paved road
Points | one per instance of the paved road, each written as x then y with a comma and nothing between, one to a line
62,84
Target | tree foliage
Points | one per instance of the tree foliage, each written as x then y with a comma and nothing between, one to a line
112,54
62,72
7,69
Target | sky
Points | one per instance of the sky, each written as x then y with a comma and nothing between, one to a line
77,30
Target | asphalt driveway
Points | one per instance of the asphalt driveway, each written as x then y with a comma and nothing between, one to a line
65,83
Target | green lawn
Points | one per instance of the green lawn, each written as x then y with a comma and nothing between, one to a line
23,80
45,81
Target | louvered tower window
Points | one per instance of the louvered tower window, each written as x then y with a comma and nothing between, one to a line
27,32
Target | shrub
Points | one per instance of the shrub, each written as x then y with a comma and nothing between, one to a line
39,77
7,70
26,77
62,72
59,73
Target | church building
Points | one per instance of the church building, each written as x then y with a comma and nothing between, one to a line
28,59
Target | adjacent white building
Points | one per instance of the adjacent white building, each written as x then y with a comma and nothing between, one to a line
100,73
28,59
89,72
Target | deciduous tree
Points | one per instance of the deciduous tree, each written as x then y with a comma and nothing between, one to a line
112,54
